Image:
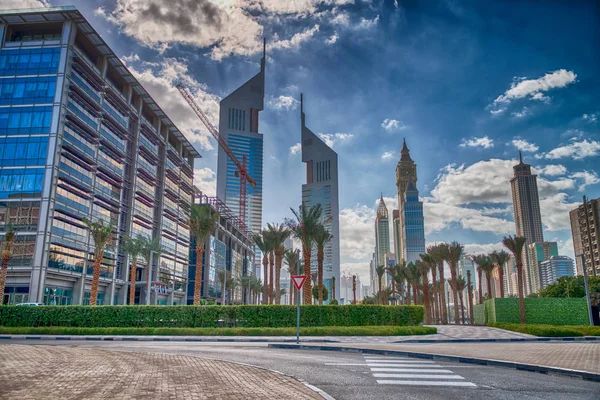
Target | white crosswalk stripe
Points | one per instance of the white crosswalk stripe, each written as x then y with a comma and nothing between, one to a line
411,372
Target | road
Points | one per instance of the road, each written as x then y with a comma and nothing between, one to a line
356,376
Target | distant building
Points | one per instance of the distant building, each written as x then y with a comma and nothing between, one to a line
528,220
322,188
396,226
538,252
382,236
586,239
406,170
555,267
413,225
464,265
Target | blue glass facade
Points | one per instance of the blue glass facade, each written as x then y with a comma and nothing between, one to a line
413,224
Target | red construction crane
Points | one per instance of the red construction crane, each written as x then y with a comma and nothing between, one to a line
241,172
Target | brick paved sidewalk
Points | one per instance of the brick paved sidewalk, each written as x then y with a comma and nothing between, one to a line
577,356
43,372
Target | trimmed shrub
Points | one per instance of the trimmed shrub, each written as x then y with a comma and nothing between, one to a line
210,316
538,310
304,331
479,314
542,330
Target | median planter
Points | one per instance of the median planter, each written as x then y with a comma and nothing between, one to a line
210,316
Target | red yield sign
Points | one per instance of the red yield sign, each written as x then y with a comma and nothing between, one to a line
298,281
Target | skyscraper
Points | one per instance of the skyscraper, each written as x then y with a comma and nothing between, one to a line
554,268
528,220
80,138
585,228
406,169
396,226
382,234
539,252
322,188
413,228
238,125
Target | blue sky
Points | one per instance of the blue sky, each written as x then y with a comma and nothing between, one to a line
467,83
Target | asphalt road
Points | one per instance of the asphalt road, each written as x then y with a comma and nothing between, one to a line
357,376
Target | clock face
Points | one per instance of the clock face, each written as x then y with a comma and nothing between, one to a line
406,172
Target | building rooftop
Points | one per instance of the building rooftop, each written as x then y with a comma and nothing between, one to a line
70,13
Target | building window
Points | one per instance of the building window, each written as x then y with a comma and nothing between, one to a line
23,151
15,183
22,215
25,120
29,61
27,90
23,249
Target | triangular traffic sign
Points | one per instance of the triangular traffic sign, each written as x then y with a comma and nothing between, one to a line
298,281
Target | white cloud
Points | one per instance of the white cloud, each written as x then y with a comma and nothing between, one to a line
160,83
357,235
368,23
591,118
295,41
484,142
555,212
18,4
130,58
498,111
392,125
482,248
524,145
283,103
587,178
520,114
440,216
205,179
388,155
333,39
576,150
341,19
331,139
534,88
552,170
566,248
295,149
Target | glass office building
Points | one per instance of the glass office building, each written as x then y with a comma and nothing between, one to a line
413,224
80,138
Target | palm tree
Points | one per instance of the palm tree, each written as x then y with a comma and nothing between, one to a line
262,242
500,258
488,268
386,293
470,292
333,288
290,258
391,269
256,288
282,292
203,221
232,284
223,276
380,270
321,238
150,247
515,244
303,227
133,247
279,234
460,288
482,261
424,267
399,278
428,259
455,251
435,308
102,235
439,253
414,277
245,283
7,253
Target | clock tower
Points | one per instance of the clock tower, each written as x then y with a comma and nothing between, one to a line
406,171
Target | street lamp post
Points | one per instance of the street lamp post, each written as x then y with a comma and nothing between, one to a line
587,290
150,277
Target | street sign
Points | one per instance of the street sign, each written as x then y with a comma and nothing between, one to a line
298,281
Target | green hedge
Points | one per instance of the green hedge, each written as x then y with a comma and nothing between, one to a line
540,310
209,316
304,331
551,330
479,314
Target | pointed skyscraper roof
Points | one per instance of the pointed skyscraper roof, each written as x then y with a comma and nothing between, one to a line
382,210
411,187
405,153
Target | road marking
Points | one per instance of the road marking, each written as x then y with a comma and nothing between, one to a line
400,361
437,371
405,365
418,376
363,364
425,383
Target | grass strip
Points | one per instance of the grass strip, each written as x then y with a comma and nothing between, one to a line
304,331
550,330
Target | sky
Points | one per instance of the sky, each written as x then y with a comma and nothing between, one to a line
467,83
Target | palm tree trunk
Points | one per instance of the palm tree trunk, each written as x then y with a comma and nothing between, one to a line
332,288
434,294
415,293
265,299
148,283
470,294
393,290
520,284
480,287
95,279
271,275
3,273
454,294
199,275
488,278
501,282
278,263
462,308
307,292
407,293
132,282
320,256
427,305
444,309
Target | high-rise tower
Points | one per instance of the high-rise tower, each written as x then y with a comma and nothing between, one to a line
405,171
528,220
382,233
396,227
413,228
322,188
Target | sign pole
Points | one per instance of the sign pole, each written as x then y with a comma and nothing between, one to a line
297,316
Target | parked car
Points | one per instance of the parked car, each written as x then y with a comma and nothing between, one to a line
30,304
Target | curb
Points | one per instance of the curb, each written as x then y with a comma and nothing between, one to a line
160,339
588,376
505,340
